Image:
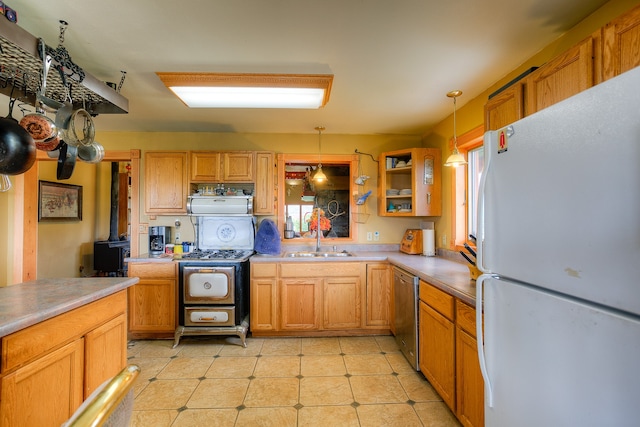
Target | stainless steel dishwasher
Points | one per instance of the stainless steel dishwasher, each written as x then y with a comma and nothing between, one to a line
405,287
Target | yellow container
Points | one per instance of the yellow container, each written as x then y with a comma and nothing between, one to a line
177,249
473,270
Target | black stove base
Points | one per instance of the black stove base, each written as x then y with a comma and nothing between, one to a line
239,330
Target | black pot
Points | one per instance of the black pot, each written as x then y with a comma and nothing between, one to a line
17,149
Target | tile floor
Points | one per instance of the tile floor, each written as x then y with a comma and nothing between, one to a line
214,381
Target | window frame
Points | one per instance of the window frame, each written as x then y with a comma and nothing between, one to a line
459,192
351,159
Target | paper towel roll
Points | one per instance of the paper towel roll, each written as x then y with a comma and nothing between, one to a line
428,243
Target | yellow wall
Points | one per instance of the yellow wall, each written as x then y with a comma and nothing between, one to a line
64,246
471,114
390,229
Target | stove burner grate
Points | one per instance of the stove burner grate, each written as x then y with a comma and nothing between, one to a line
217,254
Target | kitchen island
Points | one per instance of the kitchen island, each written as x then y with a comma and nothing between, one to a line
60,339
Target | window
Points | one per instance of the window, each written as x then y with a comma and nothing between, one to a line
299,195
465,187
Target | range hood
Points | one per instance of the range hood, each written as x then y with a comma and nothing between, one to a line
20,52
219,205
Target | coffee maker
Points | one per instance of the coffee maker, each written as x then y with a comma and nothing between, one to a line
158,238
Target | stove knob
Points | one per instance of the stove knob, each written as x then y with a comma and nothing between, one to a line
207,285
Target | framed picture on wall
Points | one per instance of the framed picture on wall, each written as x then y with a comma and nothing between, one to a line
59,202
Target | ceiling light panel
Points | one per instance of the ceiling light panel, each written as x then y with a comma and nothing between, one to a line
226,90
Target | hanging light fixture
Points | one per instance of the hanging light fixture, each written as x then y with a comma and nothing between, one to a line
319,176
455,159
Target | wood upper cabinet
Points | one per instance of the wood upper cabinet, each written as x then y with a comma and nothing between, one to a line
204,166
504,108
469,381
264,199
238,166
153,302
378,295
263,312
214,166
165,182
437,341
419,179
562,77
621,44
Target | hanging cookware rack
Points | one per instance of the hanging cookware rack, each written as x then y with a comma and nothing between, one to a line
21,61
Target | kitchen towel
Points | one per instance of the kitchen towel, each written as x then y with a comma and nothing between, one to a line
428,243
267,238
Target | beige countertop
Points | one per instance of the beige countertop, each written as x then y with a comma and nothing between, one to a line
450,276
28,303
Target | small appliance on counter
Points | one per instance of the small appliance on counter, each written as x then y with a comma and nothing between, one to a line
159,236
412,242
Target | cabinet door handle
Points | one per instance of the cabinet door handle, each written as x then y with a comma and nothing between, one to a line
428,198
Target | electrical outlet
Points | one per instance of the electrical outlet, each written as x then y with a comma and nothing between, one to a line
178,237
143,228
376,236
369,236
444,240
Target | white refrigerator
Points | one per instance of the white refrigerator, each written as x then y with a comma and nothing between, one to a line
559,245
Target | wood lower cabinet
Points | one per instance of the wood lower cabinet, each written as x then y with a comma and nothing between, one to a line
153,301
437,341
165,182
469,382
341,303
104,353
320,298
48,369
300,304
449,353
46,391
263,308
379,295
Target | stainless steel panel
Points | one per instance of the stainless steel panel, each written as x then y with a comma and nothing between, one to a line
405,288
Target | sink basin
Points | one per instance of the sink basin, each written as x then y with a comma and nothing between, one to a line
307,254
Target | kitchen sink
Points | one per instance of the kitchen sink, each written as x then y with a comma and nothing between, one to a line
308,254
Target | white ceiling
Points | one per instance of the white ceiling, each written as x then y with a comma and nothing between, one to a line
393,60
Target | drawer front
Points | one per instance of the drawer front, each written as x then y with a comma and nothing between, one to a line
263,270
209,316
320,269
439,300
466,317
153,270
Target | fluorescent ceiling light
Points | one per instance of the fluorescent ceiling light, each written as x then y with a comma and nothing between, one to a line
224,90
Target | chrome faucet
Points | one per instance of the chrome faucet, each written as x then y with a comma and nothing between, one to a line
318,229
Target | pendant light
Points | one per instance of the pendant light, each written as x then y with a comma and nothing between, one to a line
319,176
455,159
